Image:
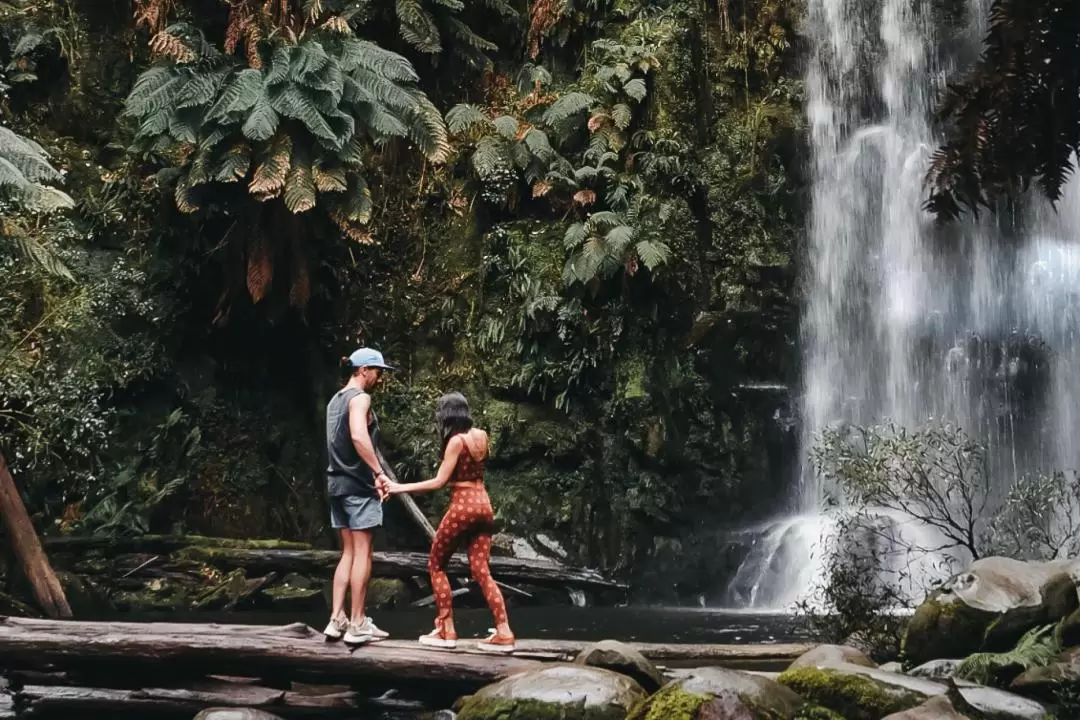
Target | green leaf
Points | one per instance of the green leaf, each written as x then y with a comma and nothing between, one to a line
621,115
635,89
463,117
506,126
262,122
239,95
566,106
300,185
653,254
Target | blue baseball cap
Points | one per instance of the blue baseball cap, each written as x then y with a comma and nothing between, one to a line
368,357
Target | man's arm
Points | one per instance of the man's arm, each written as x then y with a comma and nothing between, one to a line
358,431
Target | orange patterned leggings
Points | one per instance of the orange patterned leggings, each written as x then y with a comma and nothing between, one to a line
470,520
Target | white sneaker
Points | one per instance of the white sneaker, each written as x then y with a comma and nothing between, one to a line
377,633
337,627
358,633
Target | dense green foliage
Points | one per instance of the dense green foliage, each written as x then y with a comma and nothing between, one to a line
1016,119
581,214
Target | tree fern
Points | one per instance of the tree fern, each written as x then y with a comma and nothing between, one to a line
295,126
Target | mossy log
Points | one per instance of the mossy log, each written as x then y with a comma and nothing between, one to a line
162,544
396,564
54,700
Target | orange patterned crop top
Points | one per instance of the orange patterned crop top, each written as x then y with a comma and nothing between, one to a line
468,469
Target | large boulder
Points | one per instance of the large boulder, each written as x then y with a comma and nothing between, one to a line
557,692
234,714
621,658
713,692
936,708
862,693
990,606
825,655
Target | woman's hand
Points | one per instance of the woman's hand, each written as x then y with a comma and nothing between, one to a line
393,488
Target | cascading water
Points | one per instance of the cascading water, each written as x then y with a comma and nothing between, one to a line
901,324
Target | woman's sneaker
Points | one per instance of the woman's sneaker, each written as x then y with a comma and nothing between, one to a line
377,633
364,631
337,627
496,644
438,639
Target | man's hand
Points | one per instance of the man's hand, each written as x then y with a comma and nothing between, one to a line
381,481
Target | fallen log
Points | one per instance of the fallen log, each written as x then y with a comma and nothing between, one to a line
195,651
397,564
162,544
27,546
755,657
34,700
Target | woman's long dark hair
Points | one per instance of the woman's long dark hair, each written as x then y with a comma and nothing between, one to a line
452,417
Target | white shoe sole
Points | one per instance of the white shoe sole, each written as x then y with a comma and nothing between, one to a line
332,633
437,643
503,649
357,639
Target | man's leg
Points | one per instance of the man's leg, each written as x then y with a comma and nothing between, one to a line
361,572
341,574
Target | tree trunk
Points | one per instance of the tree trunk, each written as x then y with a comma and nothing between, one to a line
24,541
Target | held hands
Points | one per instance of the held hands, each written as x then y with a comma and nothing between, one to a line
381,481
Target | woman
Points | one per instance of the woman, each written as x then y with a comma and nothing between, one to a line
469,520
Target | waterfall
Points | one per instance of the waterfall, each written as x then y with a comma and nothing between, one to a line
902,320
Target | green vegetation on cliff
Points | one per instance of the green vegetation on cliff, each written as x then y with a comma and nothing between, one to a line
582,215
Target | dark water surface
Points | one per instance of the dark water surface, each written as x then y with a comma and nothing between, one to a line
630,624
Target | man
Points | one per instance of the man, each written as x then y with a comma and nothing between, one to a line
354,476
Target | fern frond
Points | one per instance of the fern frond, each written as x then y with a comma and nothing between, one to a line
506,126
262,121
567,106
635,89
428,130
234,164
300,185
653,253
418,27
269,178
42,256
464,117
239,95
27,157
1036,648
363,55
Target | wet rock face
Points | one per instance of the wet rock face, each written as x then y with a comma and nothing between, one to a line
989,607
621,658
560,691
825,655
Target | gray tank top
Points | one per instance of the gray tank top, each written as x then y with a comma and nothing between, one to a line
347,473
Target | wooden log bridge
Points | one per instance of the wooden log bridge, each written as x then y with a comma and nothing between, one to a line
187,651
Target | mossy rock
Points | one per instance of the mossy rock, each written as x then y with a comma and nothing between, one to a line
621,658
83,595
825,655
944,627
710,692
816,712
556,692
854,697
387,593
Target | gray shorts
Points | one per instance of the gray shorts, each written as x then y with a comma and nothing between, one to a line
355,512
